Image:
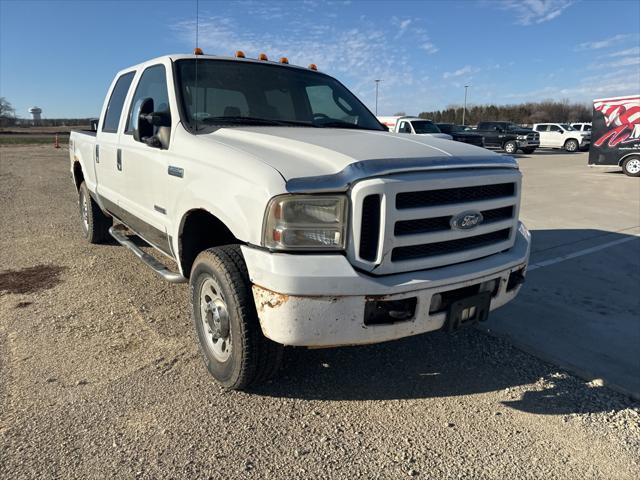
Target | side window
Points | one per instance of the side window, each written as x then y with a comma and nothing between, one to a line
116,102
152,84
541,128
554,128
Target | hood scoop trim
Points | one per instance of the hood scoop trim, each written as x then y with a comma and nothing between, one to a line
342,181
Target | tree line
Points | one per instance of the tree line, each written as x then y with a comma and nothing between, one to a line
523,113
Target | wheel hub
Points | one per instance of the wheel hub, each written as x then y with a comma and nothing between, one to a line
633,166
214,316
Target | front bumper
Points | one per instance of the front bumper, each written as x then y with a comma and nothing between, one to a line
319,300
527,144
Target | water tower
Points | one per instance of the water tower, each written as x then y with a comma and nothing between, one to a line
35,114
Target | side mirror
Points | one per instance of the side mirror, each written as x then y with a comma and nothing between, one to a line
147,123
142,129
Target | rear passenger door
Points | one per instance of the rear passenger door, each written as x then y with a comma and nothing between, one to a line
107,149
490,134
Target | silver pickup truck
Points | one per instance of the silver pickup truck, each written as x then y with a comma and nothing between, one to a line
294,215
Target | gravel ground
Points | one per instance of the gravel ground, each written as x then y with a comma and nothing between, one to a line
100,378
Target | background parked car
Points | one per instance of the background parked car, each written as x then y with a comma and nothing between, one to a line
413,125
508,136
582,126
562,135
461,134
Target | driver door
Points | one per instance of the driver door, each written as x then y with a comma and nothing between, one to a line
145,167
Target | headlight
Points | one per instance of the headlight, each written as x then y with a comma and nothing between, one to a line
524,231
522,137
305,222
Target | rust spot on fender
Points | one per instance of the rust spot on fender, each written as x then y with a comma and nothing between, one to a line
268,299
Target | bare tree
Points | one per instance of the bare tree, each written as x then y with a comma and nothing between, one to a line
6,109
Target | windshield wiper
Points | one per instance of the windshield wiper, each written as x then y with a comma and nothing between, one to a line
340,124
253,121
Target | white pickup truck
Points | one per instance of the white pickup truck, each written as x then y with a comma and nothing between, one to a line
414,126
295,217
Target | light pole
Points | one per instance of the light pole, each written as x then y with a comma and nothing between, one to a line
464,109
377,83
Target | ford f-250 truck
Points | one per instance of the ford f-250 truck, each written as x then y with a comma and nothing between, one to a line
295,217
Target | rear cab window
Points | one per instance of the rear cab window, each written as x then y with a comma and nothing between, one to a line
116,103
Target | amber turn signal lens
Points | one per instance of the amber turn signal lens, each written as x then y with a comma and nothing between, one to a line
239,54
313,66
197,51
263,56
284,60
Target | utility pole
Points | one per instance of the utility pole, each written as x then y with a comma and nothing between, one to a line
377,83
464,109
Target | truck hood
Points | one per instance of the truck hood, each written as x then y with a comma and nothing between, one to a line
303,152
446,136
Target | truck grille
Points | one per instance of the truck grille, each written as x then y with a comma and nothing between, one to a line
533,137
404,222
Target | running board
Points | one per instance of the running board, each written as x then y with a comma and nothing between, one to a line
118,232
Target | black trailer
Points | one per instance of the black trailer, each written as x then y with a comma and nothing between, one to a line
615,136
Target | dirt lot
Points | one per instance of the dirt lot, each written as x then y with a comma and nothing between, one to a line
100,378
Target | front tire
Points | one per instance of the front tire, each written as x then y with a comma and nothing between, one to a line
631,166
510,147
571,145
234,349
95,224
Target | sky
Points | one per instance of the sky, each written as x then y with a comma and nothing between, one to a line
62,55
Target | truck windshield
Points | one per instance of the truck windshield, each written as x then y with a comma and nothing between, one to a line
235,93
425,126
566,126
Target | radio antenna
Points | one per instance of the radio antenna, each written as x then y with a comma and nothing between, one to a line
195,109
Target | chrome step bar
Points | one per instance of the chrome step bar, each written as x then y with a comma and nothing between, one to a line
118,232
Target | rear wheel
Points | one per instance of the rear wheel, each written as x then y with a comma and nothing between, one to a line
511,147
528,150
234,349
631,166
95,224
571,145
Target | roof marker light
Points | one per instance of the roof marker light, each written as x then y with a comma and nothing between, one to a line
313,66
197,51
263,56
239,54
284,60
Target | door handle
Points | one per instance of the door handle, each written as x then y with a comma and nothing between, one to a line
119,160
97,153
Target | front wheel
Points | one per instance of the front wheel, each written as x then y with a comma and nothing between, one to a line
631,166
511,147
528,150
571,145
235,351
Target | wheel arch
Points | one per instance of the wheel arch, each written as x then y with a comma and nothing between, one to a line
628,155
78,174
199,230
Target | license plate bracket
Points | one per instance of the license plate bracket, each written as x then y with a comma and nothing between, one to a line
468,311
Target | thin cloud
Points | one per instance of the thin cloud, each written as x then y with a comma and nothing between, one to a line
605,43
623,53
531,12
429,47
467,69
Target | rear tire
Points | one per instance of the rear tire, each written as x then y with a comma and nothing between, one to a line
571,145
528,151
510,147
234,349
631,166
95,224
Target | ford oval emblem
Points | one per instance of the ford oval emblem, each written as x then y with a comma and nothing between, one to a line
466,220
